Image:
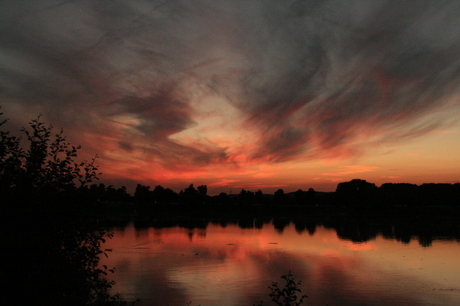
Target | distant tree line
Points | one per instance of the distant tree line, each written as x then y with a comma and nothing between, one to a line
360,194
145,196
356,194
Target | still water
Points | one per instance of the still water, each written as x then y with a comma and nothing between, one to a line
230,265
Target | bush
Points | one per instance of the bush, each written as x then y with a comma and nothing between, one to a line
287,295
52,255
43,166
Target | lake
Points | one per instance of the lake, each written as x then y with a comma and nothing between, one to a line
233,263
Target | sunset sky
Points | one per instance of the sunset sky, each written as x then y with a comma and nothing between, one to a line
241,94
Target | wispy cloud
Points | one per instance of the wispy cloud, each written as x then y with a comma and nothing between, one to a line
138,82
347,170
222,183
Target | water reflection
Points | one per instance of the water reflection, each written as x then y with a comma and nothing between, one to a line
356,228
231,262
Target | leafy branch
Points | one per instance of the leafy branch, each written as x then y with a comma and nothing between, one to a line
287,295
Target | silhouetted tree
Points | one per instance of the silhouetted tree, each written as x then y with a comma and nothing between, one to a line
202,197
163,196
246,198
202,190
158,195
52,259
113,194
46,168
357,193
305,197
300,197
280,198
223,198
142,194
170,196
311,196
97,192
259,198
437,194
11,159
189,195
400,194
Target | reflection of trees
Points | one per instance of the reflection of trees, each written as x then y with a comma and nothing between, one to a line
302,225
354,228
425,231
280,223
246,223
56,263
355,232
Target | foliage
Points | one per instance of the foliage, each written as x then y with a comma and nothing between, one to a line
11,156
52,255
287,295
45,164
357,193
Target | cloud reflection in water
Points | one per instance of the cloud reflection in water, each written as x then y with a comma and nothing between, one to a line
234,266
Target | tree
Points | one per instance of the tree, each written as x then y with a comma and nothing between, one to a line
189,195
279,197
311,194
300,197
246,197
159,194
52,255
222,198
46,168
11,158
286,295
357,193
142,194
202,190
259,198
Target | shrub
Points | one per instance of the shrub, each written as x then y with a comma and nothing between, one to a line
287,295
52,254
44,165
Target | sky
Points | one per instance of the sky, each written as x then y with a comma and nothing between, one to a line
241,94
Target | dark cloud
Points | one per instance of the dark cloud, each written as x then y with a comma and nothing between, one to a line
377,68
308,77
156,117
147,123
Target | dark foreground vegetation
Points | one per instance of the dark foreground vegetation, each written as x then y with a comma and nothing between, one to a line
55,216
51,246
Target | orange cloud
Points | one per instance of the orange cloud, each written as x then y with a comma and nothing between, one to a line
347,170
221,183
170,106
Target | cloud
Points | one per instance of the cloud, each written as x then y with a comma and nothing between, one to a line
222,183
347,170
151,121
194,85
